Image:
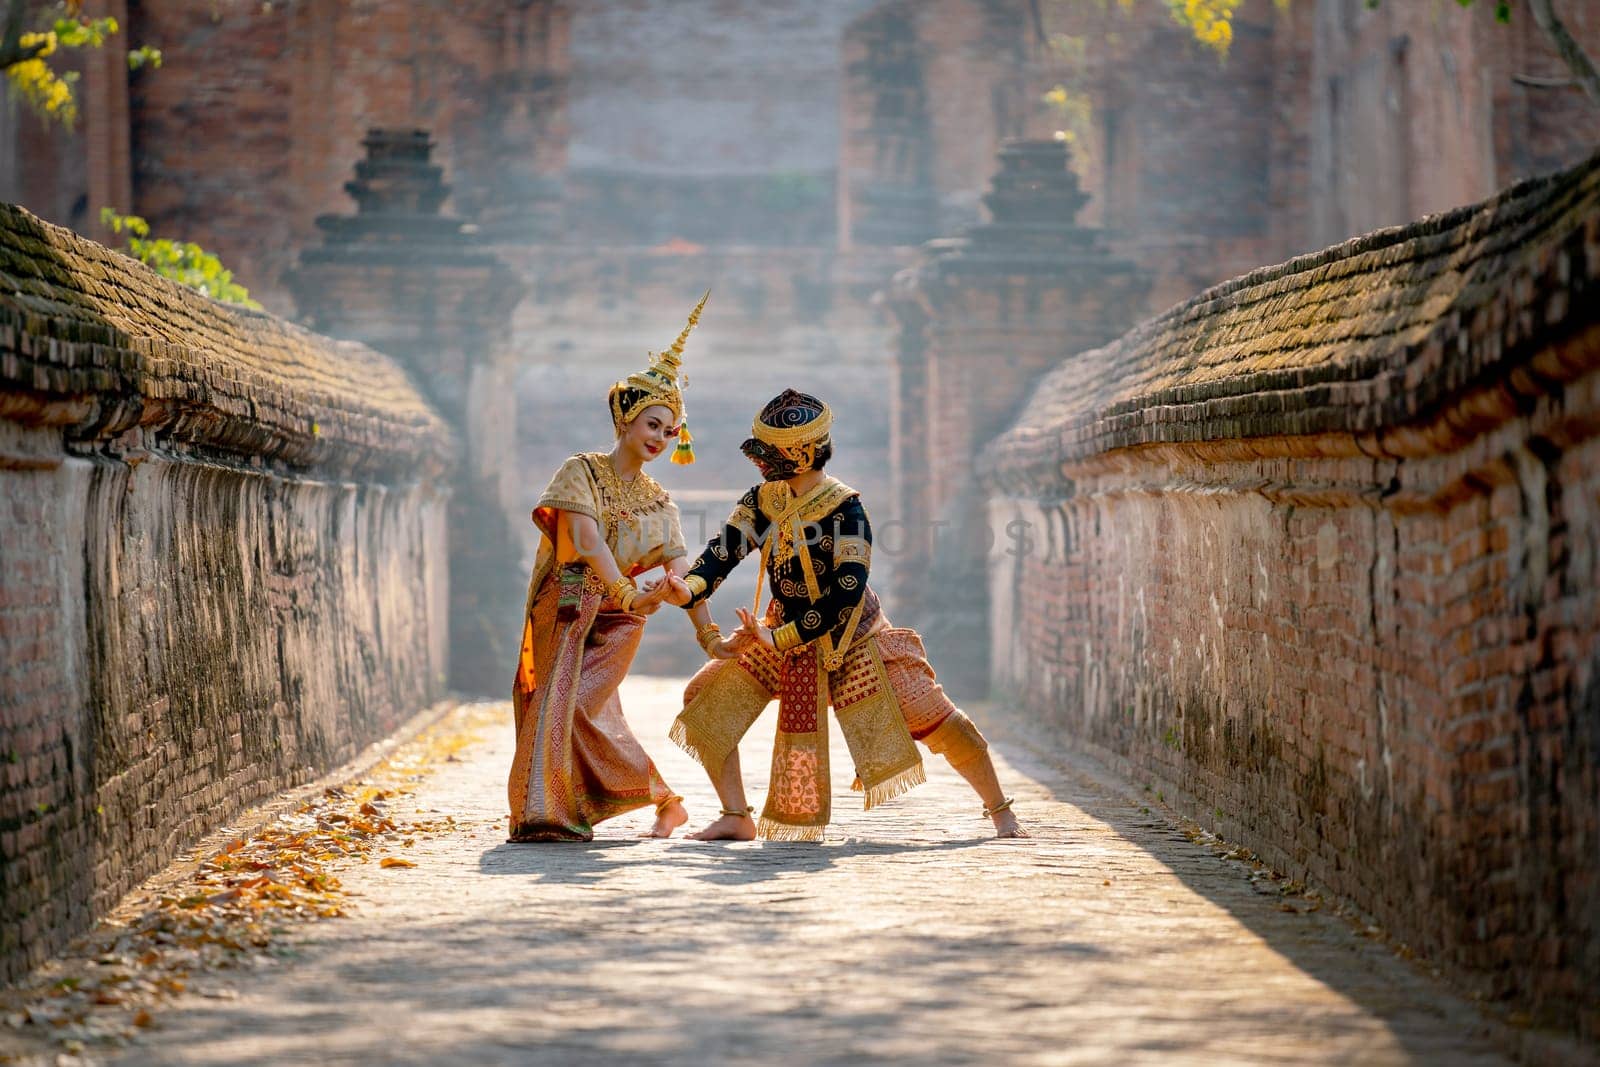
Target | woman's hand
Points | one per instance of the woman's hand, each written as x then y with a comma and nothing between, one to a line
678,594
750,629
650,597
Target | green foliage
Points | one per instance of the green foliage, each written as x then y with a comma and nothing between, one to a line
144,56
1502,8
183,261
82,32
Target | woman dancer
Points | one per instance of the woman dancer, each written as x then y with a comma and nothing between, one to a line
604,522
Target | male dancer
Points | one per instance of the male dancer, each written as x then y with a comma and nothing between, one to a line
824,640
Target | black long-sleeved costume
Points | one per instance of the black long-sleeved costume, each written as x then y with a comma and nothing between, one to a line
839,545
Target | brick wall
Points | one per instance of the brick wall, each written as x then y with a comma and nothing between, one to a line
1417,108
221,569
1315,553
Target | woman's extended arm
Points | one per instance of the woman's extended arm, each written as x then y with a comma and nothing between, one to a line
583,533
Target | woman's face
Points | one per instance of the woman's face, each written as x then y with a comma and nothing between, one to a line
647,435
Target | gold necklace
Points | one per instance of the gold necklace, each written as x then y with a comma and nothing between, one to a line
622,499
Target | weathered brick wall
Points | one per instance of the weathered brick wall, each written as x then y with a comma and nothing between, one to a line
928,90
1417,108
1316,554
221,569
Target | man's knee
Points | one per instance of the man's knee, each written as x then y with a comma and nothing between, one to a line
957,739
699,681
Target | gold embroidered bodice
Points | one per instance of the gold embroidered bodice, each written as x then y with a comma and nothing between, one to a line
638,519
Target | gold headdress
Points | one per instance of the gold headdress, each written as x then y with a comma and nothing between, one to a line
663,383
793,435
788,434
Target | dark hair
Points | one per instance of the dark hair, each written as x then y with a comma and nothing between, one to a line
626,399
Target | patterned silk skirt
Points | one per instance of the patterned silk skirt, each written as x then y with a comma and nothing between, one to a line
577,761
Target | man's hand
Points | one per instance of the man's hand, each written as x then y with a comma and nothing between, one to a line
728,647
750,629
678,594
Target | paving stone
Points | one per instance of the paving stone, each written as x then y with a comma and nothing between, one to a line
909,934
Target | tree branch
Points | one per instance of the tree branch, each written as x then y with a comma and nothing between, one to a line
1571,52
12,50
1534,81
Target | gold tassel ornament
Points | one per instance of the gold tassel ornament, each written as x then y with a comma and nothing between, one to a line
683,455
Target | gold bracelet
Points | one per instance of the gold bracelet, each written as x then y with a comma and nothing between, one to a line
696,584
786,637
623,591
703,633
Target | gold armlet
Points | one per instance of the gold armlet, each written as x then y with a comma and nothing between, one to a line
696,584
786,637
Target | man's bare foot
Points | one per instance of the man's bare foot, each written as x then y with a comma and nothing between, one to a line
668,819
1006,825
728,828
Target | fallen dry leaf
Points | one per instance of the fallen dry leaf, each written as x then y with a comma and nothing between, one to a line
238,898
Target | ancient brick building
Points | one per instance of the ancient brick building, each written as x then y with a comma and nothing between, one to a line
603,163
623,156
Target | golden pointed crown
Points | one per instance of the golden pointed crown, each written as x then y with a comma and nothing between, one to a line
662,383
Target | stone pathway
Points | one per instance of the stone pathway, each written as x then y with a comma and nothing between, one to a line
909,935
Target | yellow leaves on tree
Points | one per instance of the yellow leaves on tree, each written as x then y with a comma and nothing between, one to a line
39,85
1211,21
1073,112
48,93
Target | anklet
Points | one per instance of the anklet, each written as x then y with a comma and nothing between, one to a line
744,812
667,803
989,813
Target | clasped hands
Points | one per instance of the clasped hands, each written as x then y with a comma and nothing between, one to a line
668,590
671,589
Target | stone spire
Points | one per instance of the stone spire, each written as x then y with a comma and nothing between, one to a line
415,283
982,316
398,192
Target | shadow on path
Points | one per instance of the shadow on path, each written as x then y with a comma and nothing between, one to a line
718,863
1416,1007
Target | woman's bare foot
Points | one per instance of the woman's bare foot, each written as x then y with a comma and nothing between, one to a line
668,819
1006,825
728,828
